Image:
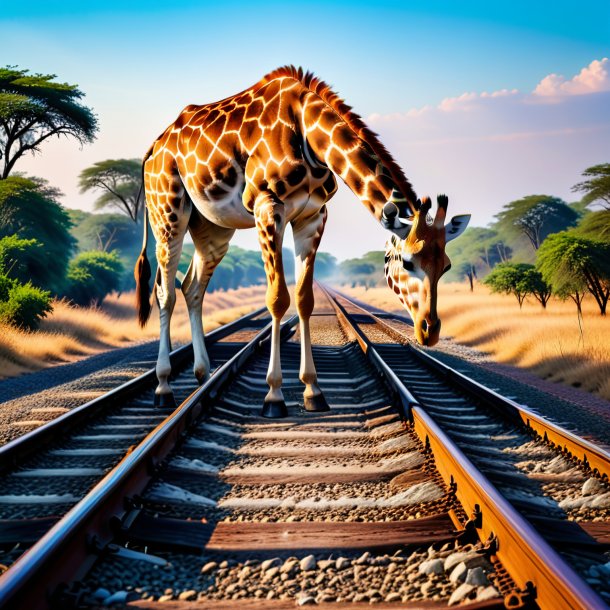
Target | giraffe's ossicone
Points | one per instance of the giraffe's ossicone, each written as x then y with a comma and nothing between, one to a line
264,158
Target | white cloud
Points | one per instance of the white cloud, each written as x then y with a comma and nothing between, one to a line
591,79
485,149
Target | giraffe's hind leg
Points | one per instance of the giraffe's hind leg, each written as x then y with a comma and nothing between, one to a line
307,235
169,213
211,244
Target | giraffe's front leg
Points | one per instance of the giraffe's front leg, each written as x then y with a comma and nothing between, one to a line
211,244
307,235
270,224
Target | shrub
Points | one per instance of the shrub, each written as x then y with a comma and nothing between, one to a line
25,304
93,275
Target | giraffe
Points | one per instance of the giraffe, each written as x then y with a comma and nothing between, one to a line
262,158
414,265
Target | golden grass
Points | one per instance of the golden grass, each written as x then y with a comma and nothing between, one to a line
547,342
70,333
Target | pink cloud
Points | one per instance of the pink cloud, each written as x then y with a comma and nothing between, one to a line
591,79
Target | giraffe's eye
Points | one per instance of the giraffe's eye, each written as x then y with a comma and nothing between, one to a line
408,265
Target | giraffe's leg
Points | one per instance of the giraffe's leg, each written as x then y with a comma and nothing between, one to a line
270,224
169,248
307,235
211,244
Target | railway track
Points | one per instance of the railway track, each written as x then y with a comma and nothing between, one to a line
403,495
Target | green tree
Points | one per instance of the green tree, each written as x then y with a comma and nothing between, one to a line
535,217
477,254
18,256
597,185
106,232
25,305
34,107
595,225
29,209
325,266
533,283
510,278
119,181
571,264
92,276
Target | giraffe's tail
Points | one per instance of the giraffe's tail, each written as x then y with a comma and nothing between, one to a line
142,271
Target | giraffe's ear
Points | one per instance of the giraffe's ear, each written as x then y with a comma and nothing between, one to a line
456,227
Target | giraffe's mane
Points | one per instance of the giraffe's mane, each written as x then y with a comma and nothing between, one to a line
353,120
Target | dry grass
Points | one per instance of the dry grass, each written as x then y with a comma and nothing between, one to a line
70,333
548,343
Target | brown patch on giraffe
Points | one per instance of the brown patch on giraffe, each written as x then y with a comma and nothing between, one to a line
236,119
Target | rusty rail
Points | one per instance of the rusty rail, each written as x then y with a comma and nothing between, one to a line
536,568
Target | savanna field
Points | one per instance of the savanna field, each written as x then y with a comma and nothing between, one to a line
70,333
548,343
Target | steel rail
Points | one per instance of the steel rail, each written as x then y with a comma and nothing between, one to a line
13,452
594,457
532,563
39,579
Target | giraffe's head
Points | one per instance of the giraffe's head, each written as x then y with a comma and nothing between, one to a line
415,260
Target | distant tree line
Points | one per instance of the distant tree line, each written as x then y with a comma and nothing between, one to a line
538,246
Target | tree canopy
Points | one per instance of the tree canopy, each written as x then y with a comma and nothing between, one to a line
571,264
34,107
595,225
119,181
535,217
93,275
597,185
30,210
519,279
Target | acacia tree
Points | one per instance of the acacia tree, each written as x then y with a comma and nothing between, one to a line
510,278
119,181
571,265
34,107
597,187
535,217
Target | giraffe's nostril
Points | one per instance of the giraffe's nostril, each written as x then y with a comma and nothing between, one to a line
424,325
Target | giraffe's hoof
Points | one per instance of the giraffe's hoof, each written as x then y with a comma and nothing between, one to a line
274,409
316,403
165,401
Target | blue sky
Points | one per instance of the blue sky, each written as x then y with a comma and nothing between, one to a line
139,63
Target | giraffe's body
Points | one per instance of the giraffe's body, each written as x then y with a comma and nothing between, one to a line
263,158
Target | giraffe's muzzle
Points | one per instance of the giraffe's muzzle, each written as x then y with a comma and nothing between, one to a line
427,333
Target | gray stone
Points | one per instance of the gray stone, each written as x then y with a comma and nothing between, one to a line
363,558
458,574
209,567
342,563
271,573
452,560
476,577
323,564
393,597
188,596
268,563
460,594
591,486
487,593
166,598
305,600
372,593
289,566
432,566
308,563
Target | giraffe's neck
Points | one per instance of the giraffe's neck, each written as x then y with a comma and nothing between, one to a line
340,147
